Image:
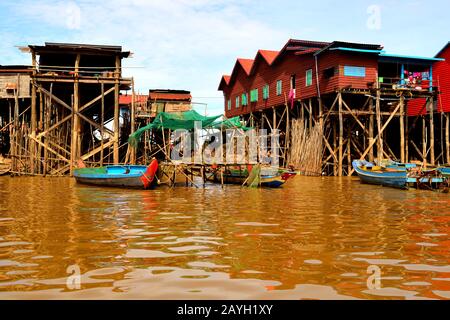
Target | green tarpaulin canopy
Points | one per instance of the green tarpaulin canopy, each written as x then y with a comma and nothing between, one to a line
174,120
185,120
232,123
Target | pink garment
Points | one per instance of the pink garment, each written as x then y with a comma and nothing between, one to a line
291,97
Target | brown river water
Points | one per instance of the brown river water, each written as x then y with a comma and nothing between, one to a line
315,238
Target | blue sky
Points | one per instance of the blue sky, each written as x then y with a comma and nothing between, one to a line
189,44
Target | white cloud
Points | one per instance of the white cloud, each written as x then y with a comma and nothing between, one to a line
184,44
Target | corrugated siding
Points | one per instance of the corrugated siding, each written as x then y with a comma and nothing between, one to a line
290,65
441,77
416,107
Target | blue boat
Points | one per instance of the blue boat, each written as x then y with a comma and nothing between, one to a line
372,174
125,176
445,171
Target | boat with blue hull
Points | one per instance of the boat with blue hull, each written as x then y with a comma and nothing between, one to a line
400,175
125,176
372,174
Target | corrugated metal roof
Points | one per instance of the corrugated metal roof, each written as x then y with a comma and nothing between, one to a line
169,95
442,50
127,99
246,64
269,55
392,57
79,47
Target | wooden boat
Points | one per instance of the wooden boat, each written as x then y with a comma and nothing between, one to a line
372,174
125,176
400,175
264,177
445,171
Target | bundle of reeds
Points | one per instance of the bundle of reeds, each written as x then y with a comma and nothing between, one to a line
305,153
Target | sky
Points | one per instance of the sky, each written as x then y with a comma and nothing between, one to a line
190,44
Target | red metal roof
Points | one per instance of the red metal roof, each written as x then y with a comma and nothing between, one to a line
246,64
269,55
126,99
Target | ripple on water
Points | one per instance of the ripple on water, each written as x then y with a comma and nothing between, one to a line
144,253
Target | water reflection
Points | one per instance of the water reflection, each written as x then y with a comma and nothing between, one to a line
313,239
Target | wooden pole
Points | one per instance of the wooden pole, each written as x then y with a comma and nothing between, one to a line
102,123
132,119
335,172
116,112
310,114
341,135
431,110
380,134
405,110
402,129
424,141
447,136
371,125
349,153
33,114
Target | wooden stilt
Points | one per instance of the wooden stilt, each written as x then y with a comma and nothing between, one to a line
380,135
132,120
371,127
447,136
116,112
102,122
424,142
402,130
431,111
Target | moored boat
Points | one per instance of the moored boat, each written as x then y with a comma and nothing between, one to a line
373,174
399,175
254,176
125,176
